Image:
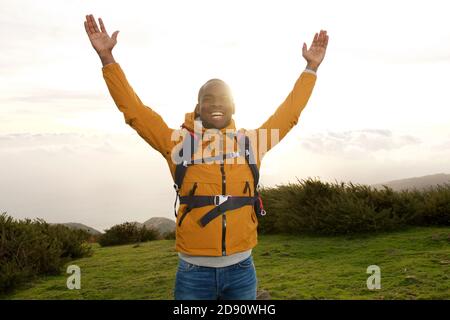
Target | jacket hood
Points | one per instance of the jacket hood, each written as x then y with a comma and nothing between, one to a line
189,122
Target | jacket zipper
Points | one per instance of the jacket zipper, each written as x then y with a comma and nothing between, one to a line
224,217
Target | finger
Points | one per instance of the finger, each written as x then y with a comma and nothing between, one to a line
316,36
114,35
87,28
94,24
88,22
326,42
320,39
304,48
102,25
91,24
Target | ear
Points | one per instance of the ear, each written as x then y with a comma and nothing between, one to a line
197,110
232,108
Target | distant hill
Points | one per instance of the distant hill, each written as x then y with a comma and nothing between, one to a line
137,224
161,224
81,226
419,183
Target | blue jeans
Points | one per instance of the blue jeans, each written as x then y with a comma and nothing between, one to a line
235,282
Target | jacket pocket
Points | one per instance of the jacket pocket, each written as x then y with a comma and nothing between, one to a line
253,215
248,191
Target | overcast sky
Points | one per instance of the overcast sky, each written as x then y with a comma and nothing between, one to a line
380,109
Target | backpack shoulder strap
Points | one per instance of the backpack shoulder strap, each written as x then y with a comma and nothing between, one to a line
244,143
189,147
186,153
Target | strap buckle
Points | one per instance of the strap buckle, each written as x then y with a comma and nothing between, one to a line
219,199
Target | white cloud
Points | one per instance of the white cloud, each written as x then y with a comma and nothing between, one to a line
49,95
359,141
362,156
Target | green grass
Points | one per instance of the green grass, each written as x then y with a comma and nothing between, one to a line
414,263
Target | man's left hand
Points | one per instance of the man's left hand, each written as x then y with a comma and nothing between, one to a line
316,52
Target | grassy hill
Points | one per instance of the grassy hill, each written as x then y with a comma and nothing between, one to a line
415,264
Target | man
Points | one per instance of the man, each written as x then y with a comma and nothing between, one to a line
219,202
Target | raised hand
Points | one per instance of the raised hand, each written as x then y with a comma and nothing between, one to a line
100,39
316,52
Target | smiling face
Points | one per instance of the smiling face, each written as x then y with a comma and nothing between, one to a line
215,104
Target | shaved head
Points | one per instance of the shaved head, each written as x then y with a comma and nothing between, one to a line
215,105
215,80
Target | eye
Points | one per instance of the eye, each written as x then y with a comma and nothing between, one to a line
226,99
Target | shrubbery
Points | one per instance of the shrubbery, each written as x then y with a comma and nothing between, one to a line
126,233
29,248
169,235
311,206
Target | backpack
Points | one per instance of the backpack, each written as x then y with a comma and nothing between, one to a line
221,202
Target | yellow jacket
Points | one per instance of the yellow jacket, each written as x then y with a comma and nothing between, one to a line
235,230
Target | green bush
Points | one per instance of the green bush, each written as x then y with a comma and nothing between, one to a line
169,235
312,206
126,233
29,248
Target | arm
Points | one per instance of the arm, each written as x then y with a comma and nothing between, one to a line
147,123
287,114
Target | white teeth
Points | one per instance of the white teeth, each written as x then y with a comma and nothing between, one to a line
217,114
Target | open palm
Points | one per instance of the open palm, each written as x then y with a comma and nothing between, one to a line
316,52
100,39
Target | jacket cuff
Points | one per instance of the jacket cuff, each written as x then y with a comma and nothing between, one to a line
310,71
110,66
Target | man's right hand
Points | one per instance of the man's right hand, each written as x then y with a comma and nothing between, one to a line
100,39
